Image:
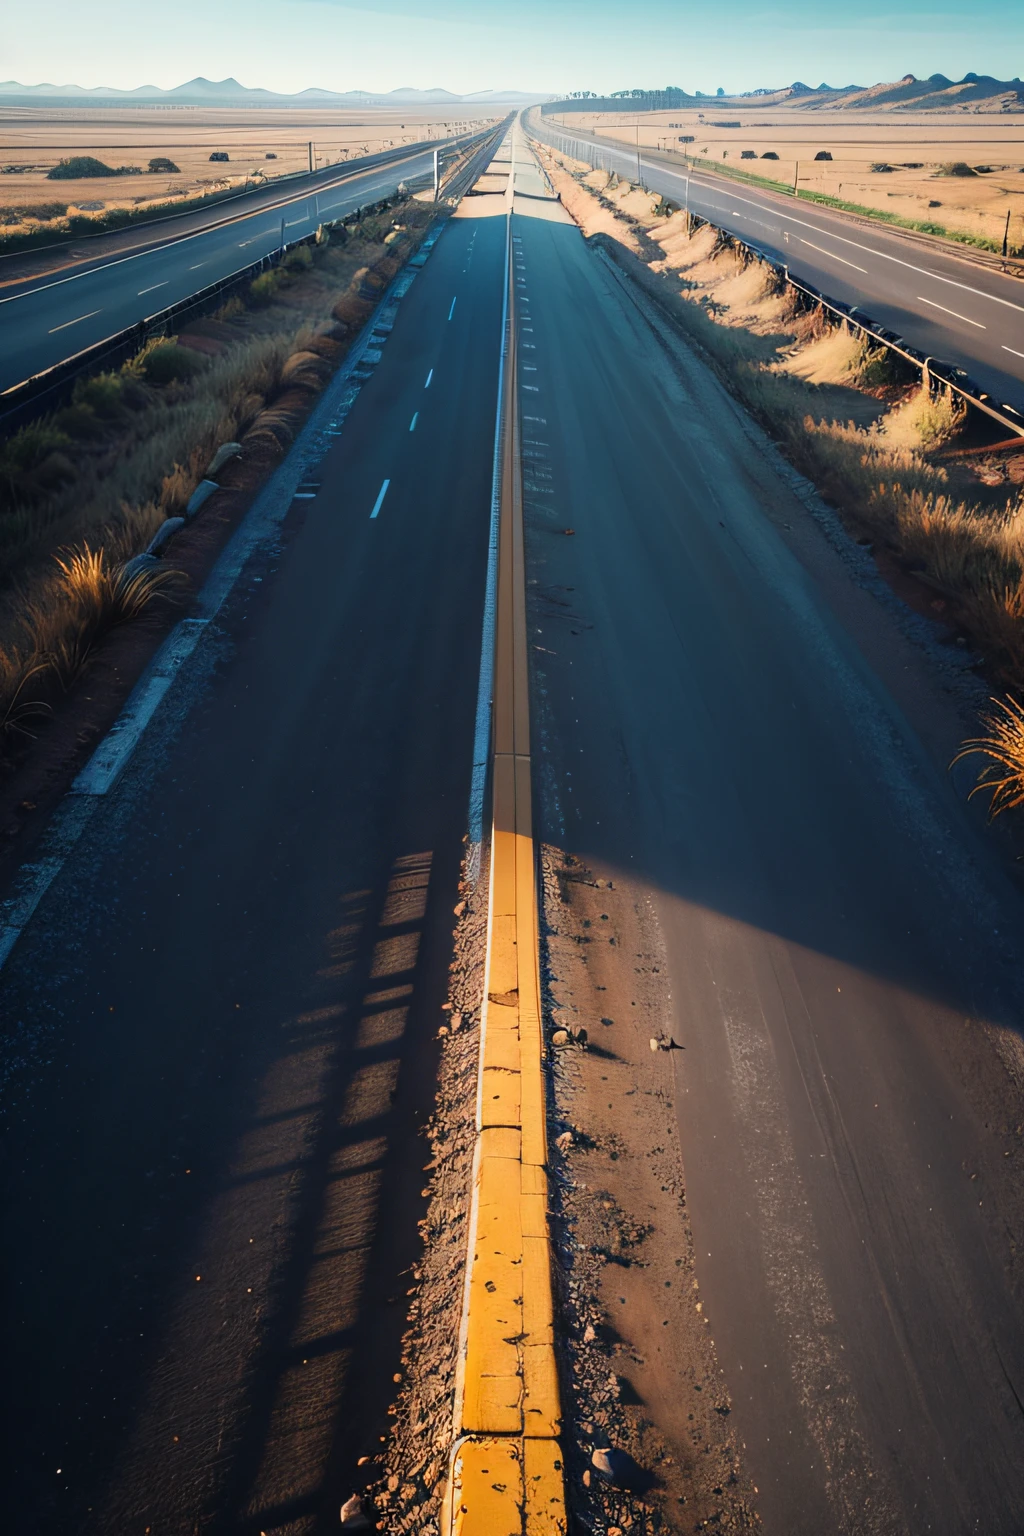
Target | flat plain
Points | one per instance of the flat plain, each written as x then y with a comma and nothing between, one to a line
260,143
893,164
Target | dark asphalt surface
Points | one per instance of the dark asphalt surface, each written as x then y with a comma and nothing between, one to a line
708,736
46,321
963,314
219,1030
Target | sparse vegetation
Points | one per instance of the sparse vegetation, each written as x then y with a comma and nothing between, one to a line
805,376
82,167
956,168
161,165
96,479
82,600
164,362
1003,745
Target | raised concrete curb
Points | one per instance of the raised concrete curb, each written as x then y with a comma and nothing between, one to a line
506,1472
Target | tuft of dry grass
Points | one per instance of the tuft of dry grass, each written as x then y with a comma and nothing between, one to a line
1003,745
88,595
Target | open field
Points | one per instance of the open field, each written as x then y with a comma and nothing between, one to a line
259,143
895,167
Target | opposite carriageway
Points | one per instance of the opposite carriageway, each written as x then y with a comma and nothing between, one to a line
941,305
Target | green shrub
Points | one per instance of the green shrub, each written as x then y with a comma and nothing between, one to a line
103,394
263,288
78,167
30,445
162,164
78,421
43,211
167,363
32,461
299,260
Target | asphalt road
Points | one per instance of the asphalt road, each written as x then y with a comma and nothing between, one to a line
948,308
218,1031
43,322
708,735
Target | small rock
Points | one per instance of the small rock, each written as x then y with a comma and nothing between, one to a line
564,1141
618,1467
655,1045
586,1478
560,1037
459,908
353,1516
589,1334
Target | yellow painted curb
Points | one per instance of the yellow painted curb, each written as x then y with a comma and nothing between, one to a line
506,1476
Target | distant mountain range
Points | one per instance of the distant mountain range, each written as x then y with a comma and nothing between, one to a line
229,93
974,93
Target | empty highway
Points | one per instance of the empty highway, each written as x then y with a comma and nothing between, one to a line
46,320
964,314
219,1026
219,1033
716,743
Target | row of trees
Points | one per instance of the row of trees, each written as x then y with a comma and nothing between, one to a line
635,95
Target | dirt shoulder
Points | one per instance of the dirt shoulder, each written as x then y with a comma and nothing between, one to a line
640,1365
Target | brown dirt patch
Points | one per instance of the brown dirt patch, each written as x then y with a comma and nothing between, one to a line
638,1360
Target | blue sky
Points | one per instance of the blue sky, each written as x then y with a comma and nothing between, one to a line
542,45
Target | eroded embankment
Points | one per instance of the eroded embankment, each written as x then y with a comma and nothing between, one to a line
946,521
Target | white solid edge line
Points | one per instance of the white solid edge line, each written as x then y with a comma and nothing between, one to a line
871,250
922,300
105,766
380,498
196,234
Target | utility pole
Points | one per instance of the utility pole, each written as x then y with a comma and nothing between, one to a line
437,173
796,179
312,157
1006,236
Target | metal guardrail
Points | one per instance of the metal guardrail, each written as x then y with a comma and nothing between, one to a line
42,392
328,176
958,380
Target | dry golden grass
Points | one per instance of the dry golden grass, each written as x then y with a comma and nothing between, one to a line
97,479
86,597
849,420
36,138
1003,746
912,152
